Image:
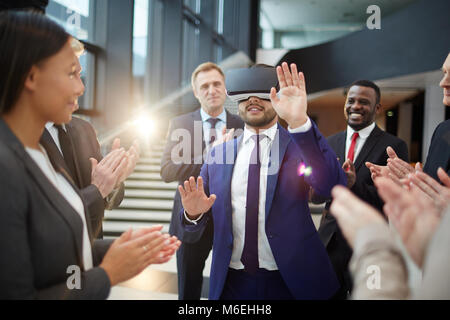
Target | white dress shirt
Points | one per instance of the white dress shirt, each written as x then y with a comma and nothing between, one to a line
222,123
363,135
66,190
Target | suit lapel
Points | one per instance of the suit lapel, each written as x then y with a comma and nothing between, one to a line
277,152
196,118
227,174
56,158
61,206
340,147
71,133
368,146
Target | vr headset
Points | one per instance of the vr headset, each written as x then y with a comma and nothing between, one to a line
244,83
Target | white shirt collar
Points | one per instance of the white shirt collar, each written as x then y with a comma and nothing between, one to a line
363,133
50,125
270,133
205,116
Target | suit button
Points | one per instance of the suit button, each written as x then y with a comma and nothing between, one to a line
270,236
230,247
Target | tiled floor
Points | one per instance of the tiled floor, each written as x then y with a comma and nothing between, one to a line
159,282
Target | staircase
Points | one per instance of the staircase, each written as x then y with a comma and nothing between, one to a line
148,200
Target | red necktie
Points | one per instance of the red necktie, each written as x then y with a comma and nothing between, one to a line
351,151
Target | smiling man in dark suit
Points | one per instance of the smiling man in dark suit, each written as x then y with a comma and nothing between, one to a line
202,129
362,141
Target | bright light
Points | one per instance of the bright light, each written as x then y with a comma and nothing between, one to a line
145,125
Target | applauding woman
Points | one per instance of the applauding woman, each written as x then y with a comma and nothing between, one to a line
45,246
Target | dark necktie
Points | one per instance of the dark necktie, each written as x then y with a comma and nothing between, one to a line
351,150
67,151
213,131
250,253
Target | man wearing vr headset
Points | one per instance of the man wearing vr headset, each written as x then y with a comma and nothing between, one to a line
255,189
208,84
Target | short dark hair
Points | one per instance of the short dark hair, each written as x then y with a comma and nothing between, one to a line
32,5
369,84
26,39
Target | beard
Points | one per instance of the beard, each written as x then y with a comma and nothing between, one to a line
268,116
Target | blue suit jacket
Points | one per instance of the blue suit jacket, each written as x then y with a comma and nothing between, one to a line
300,255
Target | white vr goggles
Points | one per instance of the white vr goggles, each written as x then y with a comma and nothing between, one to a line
244,83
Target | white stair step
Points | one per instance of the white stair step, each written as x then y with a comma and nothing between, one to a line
155,194
151,185
147,167
119,227
130,215
148,160
145,176
146,204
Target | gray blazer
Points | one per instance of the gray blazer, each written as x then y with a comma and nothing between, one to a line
40,233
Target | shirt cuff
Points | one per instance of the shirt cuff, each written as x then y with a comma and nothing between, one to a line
303,128
195,222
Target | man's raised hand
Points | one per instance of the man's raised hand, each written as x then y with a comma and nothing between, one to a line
193,197
291,104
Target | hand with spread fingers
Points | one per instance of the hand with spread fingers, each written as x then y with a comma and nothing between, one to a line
352,214
193,197
412,214
291,102
439,193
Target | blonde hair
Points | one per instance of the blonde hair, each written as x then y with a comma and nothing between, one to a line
77,46
206,66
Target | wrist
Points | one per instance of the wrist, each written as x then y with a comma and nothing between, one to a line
108,272
297,123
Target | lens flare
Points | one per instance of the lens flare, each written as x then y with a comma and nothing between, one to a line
303,170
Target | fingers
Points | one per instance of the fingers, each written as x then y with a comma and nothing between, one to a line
418,167
125,236
200,184
391,153
182,192
287,74
281,78
94,163
295,75
192,184
187,186
273,96
116,144
302,82
443,176
211,200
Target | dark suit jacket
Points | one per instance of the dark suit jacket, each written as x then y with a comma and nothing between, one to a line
180,172
300,256
439,151
374,150
40,233
85,145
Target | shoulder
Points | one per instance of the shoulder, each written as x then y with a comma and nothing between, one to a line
389,138
442,128
336,136
184,118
